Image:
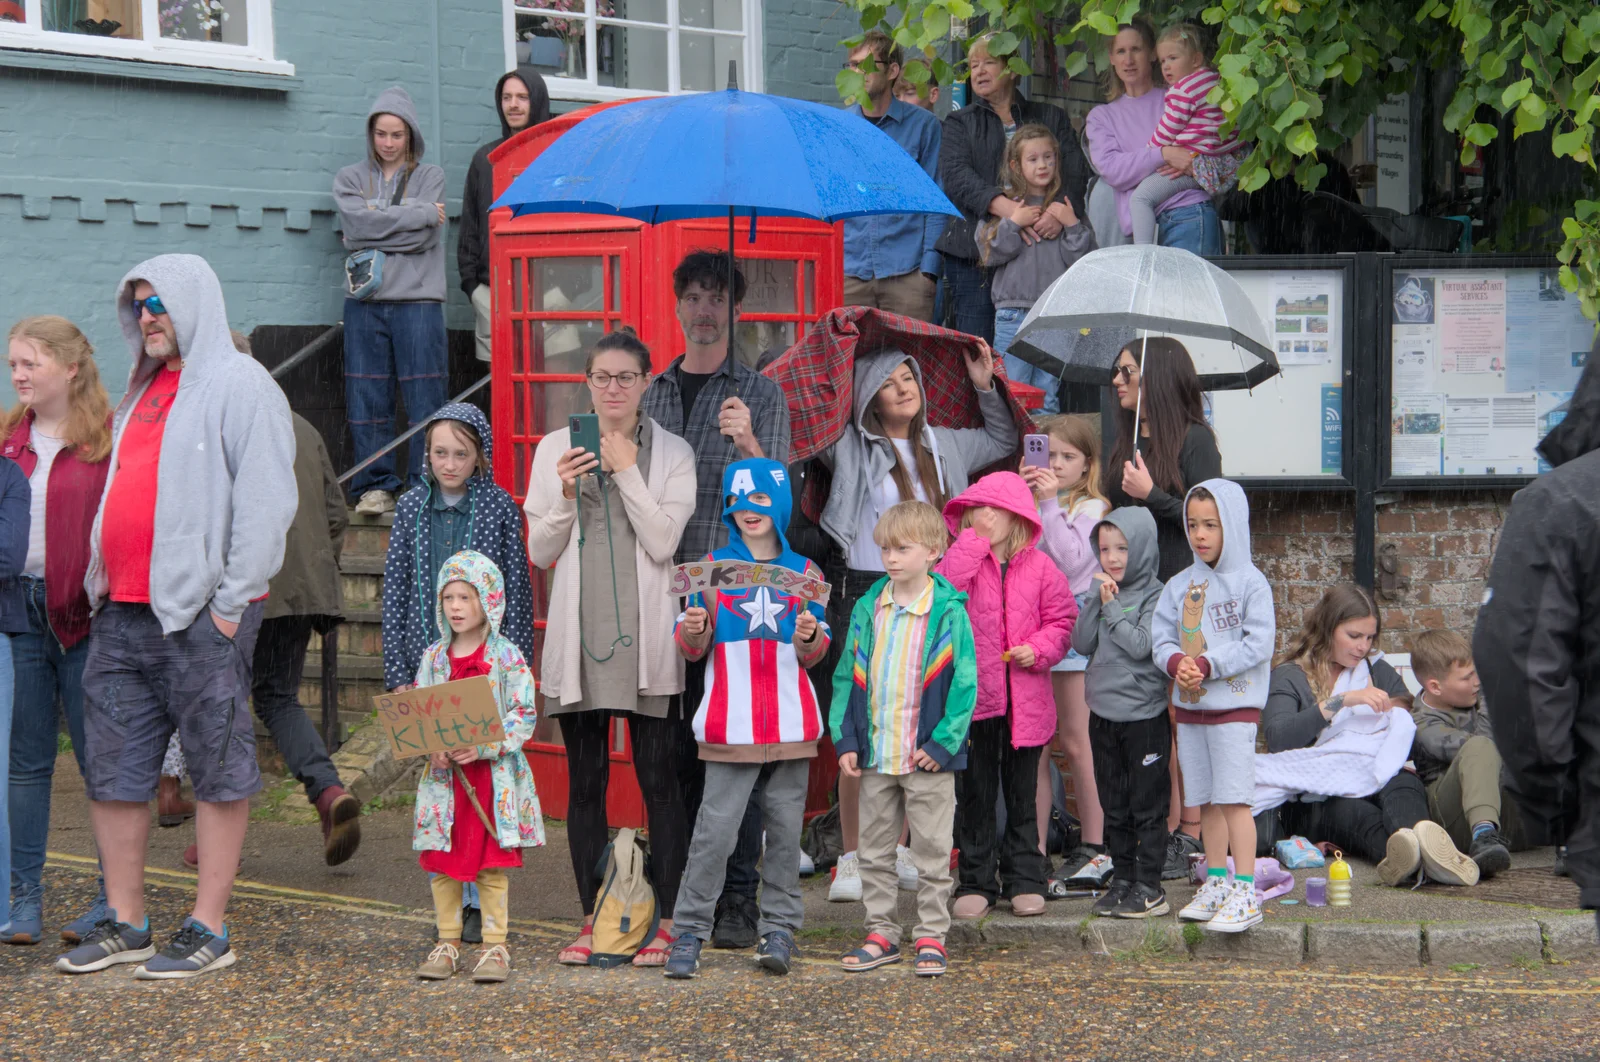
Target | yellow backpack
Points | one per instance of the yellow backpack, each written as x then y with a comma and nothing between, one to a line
625,915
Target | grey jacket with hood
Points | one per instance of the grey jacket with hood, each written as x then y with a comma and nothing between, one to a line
409,234
1229,607
226,493
863,455
1122,683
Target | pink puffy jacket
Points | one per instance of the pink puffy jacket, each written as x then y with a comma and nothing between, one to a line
1034,605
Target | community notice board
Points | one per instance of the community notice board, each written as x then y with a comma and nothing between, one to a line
1484,362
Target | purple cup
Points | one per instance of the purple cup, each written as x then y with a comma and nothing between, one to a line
1317,892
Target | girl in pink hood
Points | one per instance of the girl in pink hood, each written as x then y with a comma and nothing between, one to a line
1022,614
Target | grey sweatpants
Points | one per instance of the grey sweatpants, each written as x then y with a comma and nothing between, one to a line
1151,193
716,831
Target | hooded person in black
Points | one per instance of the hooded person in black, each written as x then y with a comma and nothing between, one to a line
1537,641
472,253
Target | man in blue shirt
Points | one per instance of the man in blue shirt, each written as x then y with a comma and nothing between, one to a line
889,260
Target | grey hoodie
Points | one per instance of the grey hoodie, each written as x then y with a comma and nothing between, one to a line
409,234
1223,614
1122,683
226,490
863,455
1022,272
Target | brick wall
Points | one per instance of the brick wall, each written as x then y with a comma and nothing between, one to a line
802,47
1441,542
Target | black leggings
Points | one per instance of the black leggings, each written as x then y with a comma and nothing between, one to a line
587,736
1359,826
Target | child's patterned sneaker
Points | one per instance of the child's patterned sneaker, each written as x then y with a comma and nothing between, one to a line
1240,912
1207,902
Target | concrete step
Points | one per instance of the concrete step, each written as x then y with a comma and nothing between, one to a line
368,535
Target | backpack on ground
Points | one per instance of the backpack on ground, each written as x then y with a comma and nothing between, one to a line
823,839
625,914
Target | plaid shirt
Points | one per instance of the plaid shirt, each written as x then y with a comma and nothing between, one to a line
714,451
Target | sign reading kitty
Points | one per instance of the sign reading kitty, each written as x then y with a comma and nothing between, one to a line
431,719
737,575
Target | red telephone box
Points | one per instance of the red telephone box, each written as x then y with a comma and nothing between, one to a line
559,282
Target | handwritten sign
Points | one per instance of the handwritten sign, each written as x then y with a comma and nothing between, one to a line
439,718
739,575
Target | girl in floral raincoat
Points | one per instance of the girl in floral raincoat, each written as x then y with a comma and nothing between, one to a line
455,845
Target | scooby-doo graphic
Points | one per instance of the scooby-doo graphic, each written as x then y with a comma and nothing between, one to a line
1191,639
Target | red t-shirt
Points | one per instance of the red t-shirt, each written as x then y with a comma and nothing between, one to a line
128,527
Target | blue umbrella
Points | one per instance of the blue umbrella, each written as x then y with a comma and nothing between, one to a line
743,153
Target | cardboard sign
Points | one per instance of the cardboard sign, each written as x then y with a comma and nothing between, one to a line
738,575
439,718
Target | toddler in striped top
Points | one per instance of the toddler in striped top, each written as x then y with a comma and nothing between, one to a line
1188,122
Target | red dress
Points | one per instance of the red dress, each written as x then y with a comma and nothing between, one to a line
472,848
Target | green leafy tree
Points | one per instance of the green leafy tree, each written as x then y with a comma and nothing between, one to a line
1298,75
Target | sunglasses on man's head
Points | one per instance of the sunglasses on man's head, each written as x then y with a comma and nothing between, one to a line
153,304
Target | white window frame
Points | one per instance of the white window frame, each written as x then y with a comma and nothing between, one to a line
752,75
256,57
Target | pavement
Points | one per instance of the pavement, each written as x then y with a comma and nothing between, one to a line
326,955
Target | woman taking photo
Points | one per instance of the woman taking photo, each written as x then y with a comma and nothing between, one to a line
1176,449
613,524
59,435
1119,131
971,158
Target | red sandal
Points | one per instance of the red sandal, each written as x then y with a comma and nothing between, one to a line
586,931
930,950
660,945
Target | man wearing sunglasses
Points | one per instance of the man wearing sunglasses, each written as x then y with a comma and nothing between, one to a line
191,526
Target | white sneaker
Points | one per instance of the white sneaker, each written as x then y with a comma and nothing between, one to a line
375,503
905,869
846,885
1402,856
1207,902
808,866
1441,860
1239,913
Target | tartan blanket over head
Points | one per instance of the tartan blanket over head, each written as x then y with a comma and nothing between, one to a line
817,376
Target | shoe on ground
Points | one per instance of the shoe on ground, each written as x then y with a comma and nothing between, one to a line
683,961
1214,892
494,965
27,918
341,824
77,931
1441,860
194,951
1560,869
1027,905
777,951
1106,905
191,857
171,808
109,943
969,907
846,884
375,503
808,866
1180,846
1239,912
441,965
735,925
1490,852
471,925
1142,901
1090,871
905,869
1401,858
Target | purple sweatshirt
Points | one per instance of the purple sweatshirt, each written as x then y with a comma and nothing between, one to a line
1065,539
1119,146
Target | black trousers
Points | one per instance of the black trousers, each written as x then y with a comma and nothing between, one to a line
994,766
1134,781
741,877
587,736
1359,826
276,668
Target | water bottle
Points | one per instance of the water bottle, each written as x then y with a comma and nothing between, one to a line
1338,881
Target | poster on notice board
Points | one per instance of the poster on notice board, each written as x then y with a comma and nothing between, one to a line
1482,362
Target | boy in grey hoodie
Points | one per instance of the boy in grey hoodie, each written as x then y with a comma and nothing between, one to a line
1129,733
1214,632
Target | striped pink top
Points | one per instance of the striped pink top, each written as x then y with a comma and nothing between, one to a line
1188,121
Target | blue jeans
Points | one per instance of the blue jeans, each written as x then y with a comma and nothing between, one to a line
966,291
45,678
1193,228
7,687
1007,320
385,342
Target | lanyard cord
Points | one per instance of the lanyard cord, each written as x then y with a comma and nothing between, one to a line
611,547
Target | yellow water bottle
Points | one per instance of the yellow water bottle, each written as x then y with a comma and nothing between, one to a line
1338,881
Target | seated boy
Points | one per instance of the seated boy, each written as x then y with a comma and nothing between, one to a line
903,697
1456,755
758,723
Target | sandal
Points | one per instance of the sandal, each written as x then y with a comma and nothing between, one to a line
660,945
580,954
930,950
887,953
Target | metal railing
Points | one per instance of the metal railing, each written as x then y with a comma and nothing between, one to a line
409,432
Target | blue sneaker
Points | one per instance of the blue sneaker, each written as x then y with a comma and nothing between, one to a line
683,961
77,931
27,920
194,951
110,942
777,951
